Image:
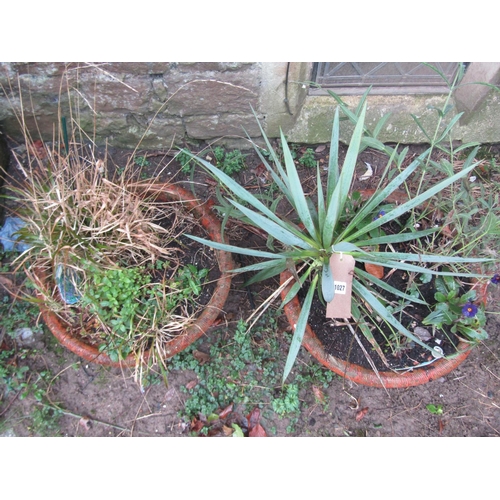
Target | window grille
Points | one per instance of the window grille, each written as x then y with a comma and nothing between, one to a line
384,77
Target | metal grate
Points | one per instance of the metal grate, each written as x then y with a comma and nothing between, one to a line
385,77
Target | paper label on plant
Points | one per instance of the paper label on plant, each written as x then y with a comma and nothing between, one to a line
342,267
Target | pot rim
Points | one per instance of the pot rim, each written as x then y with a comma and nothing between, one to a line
365,376
165,192
359,374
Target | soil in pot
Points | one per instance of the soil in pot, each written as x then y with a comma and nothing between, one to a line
338,340
398,351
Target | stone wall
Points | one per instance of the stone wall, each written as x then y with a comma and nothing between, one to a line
162,104
155,103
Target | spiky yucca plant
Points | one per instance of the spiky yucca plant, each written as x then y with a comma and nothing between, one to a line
324,227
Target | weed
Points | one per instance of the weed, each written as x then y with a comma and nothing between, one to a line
16,315
17,380
45,420
126,299
435,409
141,161
229,162
288,402
308,159
12,376
187,163
244,370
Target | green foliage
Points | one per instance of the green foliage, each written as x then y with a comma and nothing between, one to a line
308,159
12,375
19,314
229,162
329,227
288,402
126,300
89,229
14,315
17,380
244,369
435,409
449,310
186,161
141,161
472,207
45,420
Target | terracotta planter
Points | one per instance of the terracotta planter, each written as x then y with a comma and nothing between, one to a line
364,376
166,192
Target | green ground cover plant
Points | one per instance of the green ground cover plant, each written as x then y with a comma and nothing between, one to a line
244,369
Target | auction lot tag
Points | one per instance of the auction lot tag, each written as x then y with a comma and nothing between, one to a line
342,267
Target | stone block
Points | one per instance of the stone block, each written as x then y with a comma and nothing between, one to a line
206,127
205,97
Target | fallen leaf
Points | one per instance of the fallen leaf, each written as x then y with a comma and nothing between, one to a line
318,394
201,357
320,149
237,431
192,384
197,425
227,430
481,291
254,427
374,270
9,284
261,173
448,231
257,431
253,418
213,417
38,149
361,413
170,394
441,426
226,411
260,169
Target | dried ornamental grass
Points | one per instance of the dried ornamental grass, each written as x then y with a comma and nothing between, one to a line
79,220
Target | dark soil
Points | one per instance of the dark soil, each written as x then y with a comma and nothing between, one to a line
338,340
100,401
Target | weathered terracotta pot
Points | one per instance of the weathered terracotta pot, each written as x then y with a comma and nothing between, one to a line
364,376
164,192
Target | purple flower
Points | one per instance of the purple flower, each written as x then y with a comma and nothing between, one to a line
496,279
469,310
379,215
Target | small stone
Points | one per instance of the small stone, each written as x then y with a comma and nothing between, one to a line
24,334
422,333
